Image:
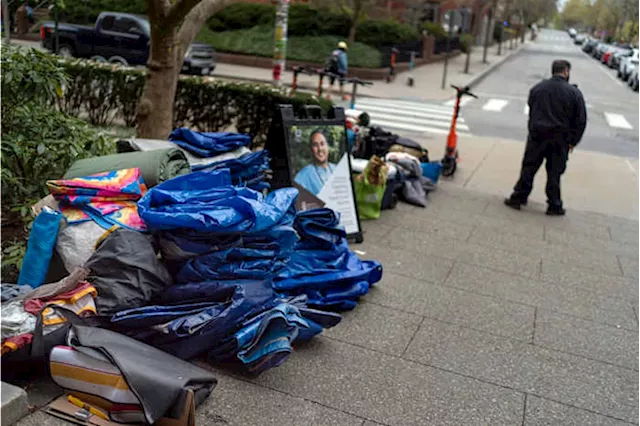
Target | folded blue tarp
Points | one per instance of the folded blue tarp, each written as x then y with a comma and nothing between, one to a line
206,202
248,170
323,267
208,144
190,329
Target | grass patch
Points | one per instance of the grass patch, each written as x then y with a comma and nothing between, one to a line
258,41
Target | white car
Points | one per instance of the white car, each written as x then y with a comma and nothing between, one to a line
572,32
633,76
624,69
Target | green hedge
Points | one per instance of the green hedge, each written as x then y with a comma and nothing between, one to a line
306,21
258,41
385,33
86,11
434,29
106,93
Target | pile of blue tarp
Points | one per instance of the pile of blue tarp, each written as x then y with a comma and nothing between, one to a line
223,245
322,266
248,170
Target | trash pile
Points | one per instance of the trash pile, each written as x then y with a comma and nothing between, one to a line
408,174
174,250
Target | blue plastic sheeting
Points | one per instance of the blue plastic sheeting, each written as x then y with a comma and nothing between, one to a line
208,144
323,267
265,341
40,245
188,330
206,202
248,170
316,319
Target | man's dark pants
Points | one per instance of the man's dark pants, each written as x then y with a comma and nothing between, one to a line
540,148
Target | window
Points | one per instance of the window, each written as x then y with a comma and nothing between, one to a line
107,23
127,26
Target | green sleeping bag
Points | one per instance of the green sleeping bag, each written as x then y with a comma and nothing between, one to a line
155,166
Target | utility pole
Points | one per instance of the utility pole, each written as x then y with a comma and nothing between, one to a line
487,32
56,17
6,22
280,41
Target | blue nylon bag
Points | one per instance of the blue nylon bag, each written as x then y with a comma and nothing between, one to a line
40,245
319,228
206,202
208,144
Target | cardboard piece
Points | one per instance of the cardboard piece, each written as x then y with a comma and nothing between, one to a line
65,410
48,201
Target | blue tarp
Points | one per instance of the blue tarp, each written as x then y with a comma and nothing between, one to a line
208,144
190,329
248,170
206,202
323,267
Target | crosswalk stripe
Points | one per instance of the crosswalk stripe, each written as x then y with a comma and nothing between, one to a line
495,105
419,129
376,116
617,120
409,112
403,104
463,102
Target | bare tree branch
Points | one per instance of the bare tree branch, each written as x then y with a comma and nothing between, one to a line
193,22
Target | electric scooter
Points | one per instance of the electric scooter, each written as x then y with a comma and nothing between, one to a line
450,160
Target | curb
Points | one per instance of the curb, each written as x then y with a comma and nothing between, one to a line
14,404
478,78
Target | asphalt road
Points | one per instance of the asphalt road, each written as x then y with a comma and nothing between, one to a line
612,107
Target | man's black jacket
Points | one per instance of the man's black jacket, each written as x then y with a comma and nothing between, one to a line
557,111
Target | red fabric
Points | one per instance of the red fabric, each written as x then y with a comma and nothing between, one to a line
19,341
34,306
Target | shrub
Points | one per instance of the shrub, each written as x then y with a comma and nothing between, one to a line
466,43
308,21
385,33
434,29
239,16
258,41
199,104
86,11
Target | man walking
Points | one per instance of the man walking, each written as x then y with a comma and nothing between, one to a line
337,65
557,119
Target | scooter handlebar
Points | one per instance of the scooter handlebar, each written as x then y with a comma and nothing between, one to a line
464,91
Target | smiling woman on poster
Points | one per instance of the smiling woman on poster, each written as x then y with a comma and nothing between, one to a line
315,175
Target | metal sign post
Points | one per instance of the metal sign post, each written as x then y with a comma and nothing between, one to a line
446,55
280,41
6,21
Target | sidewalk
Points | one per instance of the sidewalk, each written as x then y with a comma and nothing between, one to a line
427,78
484,315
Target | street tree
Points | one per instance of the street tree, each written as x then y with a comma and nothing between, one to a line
174,26
357,11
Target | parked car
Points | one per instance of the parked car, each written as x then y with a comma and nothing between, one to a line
119,38
617,55
606,54
633,78
572,32
598,51
624,69
579,39
589,45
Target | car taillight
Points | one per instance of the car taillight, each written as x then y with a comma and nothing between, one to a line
42,32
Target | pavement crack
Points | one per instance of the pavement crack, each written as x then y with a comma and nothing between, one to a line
413,336
535,320
524,409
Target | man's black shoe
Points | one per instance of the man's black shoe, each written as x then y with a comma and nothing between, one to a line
514,204
556,211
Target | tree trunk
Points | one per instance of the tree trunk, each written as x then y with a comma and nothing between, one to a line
352,32
155,110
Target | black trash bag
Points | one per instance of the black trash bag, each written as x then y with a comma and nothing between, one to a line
126,272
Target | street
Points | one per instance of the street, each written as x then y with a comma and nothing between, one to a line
501,110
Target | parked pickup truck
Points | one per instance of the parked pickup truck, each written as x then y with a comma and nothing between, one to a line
119,38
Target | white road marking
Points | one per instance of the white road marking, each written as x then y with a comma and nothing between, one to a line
463,102
495,105
419,129
418,121
617,120
526,110
403,104
411,112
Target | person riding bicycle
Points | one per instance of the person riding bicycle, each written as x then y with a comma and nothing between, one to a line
337,65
